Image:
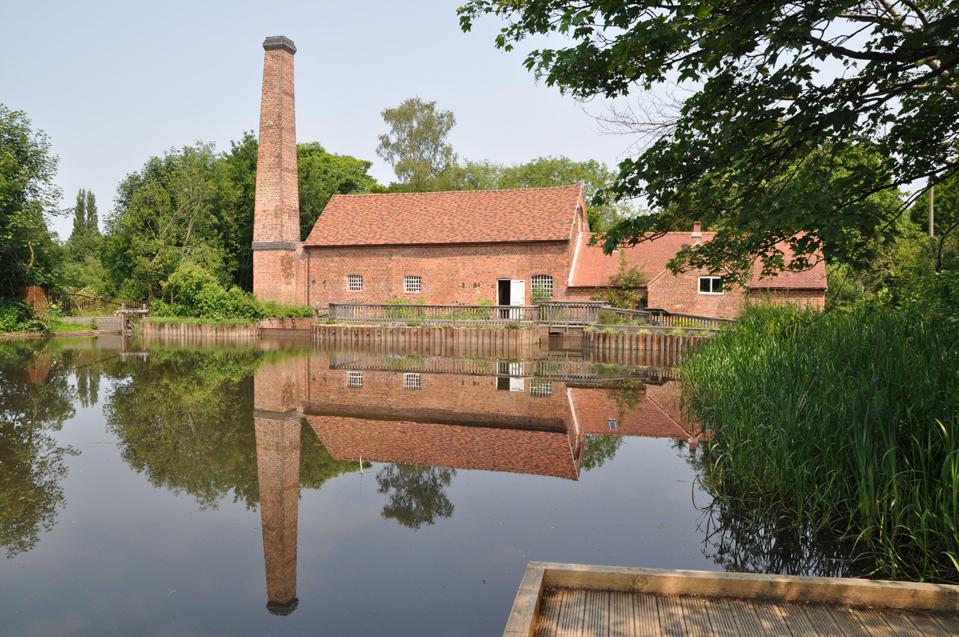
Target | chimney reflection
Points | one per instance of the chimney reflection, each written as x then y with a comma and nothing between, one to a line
277,424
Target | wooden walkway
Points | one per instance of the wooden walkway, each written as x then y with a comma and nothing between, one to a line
568,612
577,600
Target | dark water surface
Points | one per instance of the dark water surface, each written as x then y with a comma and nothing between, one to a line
165,490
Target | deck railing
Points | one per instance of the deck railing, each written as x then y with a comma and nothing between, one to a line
573,314
569,312
84,303
675,319
433,314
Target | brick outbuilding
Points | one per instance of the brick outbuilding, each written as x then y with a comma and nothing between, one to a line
503,247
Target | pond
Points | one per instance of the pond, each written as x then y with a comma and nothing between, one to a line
274,489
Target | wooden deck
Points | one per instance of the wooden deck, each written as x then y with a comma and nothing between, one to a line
572,600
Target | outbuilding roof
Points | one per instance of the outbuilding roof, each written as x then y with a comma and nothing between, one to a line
593,268
477,216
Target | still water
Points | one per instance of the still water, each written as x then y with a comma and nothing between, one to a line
275,490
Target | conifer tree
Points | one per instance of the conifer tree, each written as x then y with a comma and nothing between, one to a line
79,216
92,221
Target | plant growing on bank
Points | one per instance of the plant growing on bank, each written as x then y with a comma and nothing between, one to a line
193,292
844,424
16,316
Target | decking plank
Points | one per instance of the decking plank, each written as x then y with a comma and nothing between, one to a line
573,613
671,622
769,620
576,610
726,620
927,625
696,617
645,615
548,622
596,620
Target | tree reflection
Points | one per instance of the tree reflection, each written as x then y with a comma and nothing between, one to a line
597,450
35,400
185,420
417,493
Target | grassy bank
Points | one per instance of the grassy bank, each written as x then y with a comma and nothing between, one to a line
842,424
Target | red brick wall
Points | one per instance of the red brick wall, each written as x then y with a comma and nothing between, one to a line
680,293
450,273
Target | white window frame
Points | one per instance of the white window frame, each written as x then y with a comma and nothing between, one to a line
412,381
540,388
541,283
354,380
354,282
712,285
412,284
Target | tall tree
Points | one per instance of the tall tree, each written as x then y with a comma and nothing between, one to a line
776,91
79,216
323,174
93,219
416,144
29,255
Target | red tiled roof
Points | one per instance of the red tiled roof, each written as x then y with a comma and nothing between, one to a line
461,447
593,268
479,216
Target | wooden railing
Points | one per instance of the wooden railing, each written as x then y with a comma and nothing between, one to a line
82,302
674,319
554,313
569,312
433,314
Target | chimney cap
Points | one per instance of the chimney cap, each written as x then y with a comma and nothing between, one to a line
279,42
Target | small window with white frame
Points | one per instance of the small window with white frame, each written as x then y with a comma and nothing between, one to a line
542,286
354,380
412,381
412,284
710,285
540,388
354,283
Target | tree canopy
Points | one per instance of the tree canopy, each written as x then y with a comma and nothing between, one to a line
195,205
416,144
29,254
777,93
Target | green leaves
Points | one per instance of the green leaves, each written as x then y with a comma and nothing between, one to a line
762,102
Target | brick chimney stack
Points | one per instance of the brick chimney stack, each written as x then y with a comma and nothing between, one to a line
276,217
697,230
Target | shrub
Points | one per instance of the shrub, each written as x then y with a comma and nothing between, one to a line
16,316
194,292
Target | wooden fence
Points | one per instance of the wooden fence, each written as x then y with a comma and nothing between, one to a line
84,303
569,312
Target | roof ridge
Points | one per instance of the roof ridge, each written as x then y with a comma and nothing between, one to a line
444,192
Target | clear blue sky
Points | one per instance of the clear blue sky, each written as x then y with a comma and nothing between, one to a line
113,83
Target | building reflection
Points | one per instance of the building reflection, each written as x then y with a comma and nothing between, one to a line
438,415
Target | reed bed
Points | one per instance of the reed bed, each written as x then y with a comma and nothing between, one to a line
844,424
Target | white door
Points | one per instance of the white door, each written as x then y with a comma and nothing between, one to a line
517,296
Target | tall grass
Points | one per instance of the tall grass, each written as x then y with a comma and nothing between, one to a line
844,424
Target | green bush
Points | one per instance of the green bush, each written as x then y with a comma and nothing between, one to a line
19,317
844,424
191,291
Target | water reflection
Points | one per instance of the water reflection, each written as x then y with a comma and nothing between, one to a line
35,401
426,417
257,426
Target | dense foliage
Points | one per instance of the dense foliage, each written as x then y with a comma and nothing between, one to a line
195,206
191,291
29,254
768,99
846,423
